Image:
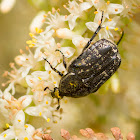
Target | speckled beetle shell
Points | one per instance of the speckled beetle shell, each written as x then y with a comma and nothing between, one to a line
89,71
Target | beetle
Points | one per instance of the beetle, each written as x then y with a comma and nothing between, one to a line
90,70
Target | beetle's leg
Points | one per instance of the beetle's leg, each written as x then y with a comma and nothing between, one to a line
55,94
95,33
61,74
64,62
58,104
120,39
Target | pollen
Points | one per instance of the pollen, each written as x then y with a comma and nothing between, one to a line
116,10
26,138
40,113
110,19
107,28
31,46
96,1
4,135
54,82
29,42
7,125
34,40
116,29
38,30
39,78
31,35
45,15
49,72
46,102
108,2
19,120
96,12
26,126
66,101
48,119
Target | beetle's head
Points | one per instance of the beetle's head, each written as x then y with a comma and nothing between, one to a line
55,94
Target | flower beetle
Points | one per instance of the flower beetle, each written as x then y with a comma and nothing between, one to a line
90,70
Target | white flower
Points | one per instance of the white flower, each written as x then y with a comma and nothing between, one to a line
37,22
7,5
79,42
28,62
55,20
108,7
106,26
42,41
43,109
15,76
9,106
129,6
19,130
76,11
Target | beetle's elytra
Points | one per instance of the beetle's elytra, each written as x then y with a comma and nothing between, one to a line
90,70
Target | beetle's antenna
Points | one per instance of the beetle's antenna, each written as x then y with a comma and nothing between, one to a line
64,62
95,33
47,88
120,38
61,74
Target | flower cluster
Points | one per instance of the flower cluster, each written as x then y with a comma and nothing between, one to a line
67,33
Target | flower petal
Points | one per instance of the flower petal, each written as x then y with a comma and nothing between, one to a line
19,119
92,26
67,51
26,100
114,8
7,5
9,134
85,6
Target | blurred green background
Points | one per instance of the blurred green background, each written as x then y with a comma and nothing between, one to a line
14,30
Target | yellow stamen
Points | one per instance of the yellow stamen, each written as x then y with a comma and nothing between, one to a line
46,102
34,40
26,138
26,126
41,30
116,29
39,78
48,119
31,35
116,10
96,12
45,15
19,120
29,42
54,82
4,135
37,30
107,28
7,125
31,46
40,113
108,2
110,19
49,72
